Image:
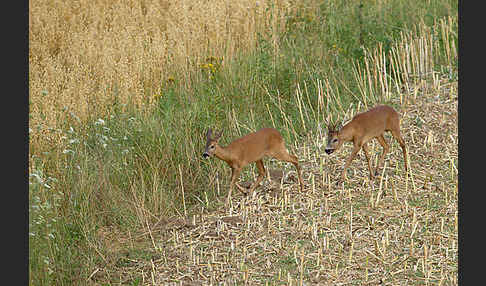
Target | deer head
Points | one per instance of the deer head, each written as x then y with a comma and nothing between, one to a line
211,143
333,140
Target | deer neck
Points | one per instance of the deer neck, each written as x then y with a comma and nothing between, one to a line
346,133
224,154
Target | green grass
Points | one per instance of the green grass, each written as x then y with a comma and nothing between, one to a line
126,170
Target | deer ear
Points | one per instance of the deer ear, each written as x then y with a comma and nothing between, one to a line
209,133
339,125
218,135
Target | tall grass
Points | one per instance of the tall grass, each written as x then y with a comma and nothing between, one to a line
121,94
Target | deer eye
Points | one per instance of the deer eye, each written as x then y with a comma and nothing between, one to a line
334,140
211,147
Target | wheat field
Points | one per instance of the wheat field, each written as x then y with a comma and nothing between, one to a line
83,58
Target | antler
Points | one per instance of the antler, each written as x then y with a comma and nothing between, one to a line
331,126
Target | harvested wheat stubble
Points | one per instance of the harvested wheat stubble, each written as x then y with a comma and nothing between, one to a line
392,230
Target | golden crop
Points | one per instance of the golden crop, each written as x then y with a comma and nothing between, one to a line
84,56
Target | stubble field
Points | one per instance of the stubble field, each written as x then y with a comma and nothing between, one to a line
391,230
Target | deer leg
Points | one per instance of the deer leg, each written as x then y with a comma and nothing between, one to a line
353,154
396,134
386,148
240,188
233,179
285,156
235,173
365,150
295,161
261,175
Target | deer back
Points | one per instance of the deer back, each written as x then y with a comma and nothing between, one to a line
254,146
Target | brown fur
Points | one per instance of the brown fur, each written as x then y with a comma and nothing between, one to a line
364,127
253,147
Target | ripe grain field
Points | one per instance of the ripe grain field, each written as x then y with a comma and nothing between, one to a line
389,231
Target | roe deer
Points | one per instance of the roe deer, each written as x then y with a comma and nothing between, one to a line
248,149
361,129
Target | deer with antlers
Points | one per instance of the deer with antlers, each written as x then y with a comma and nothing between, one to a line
253,147
361,129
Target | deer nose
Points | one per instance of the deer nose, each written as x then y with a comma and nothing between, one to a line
205,155
329,151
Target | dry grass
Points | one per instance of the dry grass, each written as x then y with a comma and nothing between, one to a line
390,231
85,58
